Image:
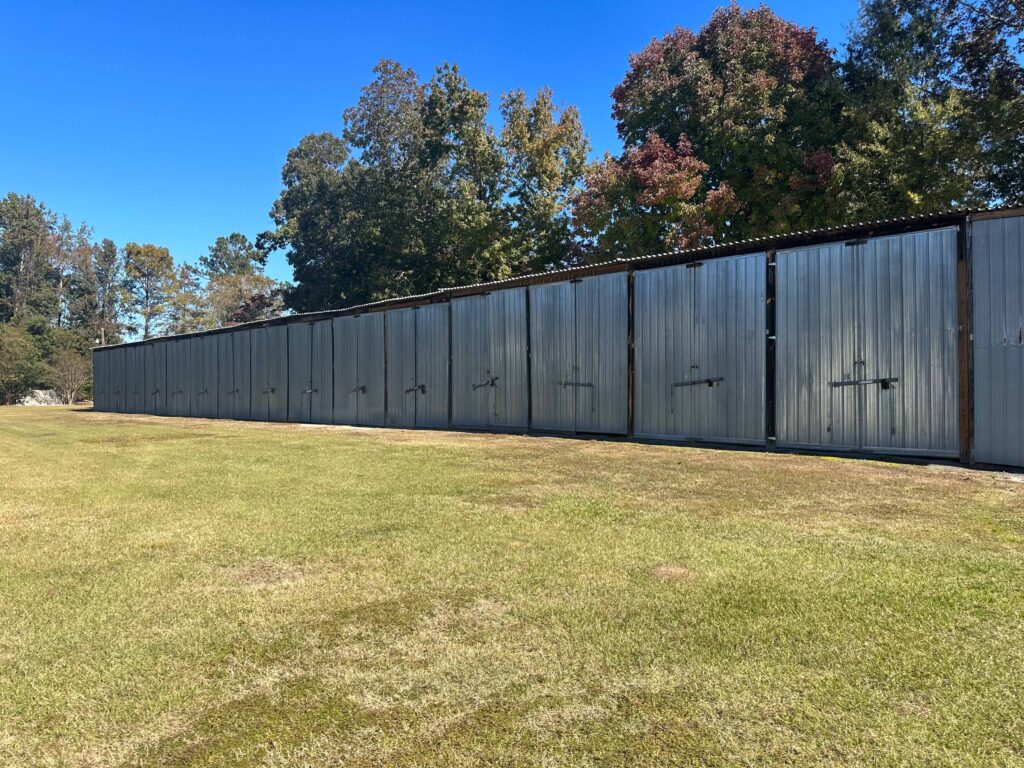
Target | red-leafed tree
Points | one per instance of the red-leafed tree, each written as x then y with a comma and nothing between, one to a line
728,133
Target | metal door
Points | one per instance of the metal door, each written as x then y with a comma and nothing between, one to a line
135,380
473,381
369,334
553,356
233,367
602,346
908,338
321,404
99,380
347,387
300,371
489,353
204,376
117,380
269,381
700,351
818,354
402,387
178,377
432,359
155,355
998,266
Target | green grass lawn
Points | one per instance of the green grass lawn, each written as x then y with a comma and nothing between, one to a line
181,592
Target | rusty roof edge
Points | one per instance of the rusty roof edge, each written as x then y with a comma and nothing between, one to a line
823,235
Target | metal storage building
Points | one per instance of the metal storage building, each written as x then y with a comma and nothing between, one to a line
902,337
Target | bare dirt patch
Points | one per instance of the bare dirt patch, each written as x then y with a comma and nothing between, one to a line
670,572
261,574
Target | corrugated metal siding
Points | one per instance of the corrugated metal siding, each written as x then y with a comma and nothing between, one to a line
998,277
472,378
432,365
117,380
489,360
156,377
99,380
179,385
233,364
347,389
135,380
700,351
270,346
553,356
884,309
204,376
370,369
402,389
602,345
321,404
300,371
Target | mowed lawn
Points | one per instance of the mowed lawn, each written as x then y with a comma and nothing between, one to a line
180,592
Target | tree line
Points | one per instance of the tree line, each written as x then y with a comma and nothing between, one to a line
63,291
750,126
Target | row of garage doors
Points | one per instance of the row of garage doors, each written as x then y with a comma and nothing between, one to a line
864,334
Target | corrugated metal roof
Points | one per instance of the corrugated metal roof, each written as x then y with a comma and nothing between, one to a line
698,253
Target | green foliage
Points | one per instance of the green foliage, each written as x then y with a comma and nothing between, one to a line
729,132
150,281
419,191
20,364
233,255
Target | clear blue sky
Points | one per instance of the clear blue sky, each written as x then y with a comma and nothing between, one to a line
168,123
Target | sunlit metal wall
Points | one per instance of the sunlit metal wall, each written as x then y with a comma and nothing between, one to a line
998,319
699,332
867,345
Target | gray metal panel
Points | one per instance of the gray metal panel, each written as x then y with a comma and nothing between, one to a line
260,384
432,365
179,384
998,277
347,388
553,356
370,366
816,307
602,348
300,371
118,383
489,355
472,377
321,401
700,351
276,339
359,369
402,389
135,380
156,377
884,309
232,375
99,380
205,388
908,331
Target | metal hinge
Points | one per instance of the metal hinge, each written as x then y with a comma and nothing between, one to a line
710,382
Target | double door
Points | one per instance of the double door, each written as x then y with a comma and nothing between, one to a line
310,372
579,335
417,366
359,369
866,349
